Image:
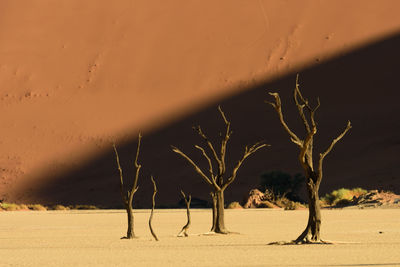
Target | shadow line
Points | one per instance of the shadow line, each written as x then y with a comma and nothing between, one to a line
361,86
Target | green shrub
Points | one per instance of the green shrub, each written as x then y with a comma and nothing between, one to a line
282,184
9,206
342,196
13,206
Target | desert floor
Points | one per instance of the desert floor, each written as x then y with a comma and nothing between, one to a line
92,238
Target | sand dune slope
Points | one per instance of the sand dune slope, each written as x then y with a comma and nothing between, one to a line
76,75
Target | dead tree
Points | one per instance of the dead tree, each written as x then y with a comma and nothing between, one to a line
312,173
216,176
127,195
185,228
152,208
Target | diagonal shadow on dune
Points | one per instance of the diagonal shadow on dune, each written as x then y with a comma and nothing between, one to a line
361,86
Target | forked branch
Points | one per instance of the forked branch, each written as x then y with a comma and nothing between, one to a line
300,105
208,160
247,152
278,107
127,197
209,144
197,169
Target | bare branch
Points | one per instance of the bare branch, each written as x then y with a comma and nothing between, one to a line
137,165
208,160
222,167
120,175
198,170
247,152
278,107
185,228
300,106
200,132
223,115
322,155
297,91
312,114
152,207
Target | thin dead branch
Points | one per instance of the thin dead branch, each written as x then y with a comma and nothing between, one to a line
323,155
152,207
121,181
246,154
278,107
197,168
185,228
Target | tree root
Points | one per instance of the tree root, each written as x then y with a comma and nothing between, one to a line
125,237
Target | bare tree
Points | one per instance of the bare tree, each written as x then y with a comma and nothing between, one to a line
185,228
127,195
313,174
152,207
216,178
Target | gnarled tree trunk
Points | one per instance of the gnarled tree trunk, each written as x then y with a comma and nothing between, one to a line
313,175
312,231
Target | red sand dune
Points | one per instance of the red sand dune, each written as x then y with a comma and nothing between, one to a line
76,75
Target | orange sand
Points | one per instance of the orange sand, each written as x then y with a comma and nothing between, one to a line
76,75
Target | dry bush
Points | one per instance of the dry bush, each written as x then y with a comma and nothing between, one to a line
37,207
13,207
59,207
234,205
288,204
82,207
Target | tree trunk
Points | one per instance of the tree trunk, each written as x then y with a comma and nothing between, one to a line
214,211
312,231
218,212
130,234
